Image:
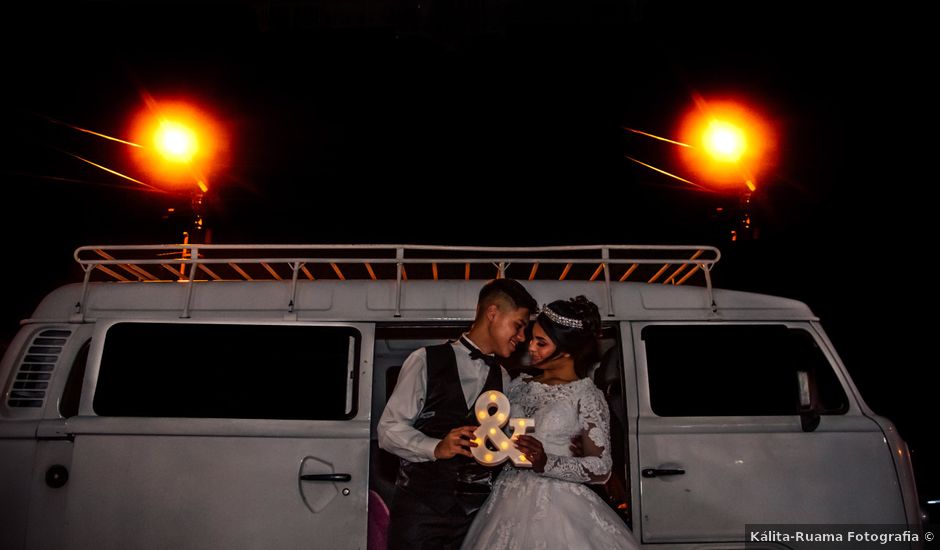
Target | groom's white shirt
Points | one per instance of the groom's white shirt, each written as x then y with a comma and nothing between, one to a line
396,427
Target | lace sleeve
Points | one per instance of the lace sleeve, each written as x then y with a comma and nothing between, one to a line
595,465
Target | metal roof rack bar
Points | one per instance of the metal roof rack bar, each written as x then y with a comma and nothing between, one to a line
440,261
210,273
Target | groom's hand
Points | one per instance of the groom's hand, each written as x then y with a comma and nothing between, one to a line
457,442
577,446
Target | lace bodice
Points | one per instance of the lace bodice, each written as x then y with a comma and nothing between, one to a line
528,510
561,412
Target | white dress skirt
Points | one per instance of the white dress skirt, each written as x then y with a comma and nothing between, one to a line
554,509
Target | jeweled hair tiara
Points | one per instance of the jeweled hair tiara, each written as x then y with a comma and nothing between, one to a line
560,319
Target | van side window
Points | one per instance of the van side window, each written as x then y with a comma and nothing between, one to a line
228,371
735,370
68,405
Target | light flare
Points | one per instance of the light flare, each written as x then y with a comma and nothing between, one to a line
176,142
724,141
732,144
182,146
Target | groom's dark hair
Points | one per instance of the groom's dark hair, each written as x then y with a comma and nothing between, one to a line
505,292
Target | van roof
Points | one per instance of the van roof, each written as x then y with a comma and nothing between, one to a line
394,282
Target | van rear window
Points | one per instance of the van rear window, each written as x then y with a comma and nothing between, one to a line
228,371
735,370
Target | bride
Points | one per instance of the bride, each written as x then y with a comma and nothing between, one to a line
548,505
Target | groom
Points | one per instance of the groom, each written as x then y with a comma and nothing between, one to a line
429,422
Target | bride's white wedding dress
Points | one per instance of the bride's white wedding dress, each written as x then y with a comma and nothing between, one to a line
554,509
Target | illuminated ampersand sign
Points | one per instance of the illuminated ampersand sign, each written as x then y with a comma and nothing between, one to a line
499,447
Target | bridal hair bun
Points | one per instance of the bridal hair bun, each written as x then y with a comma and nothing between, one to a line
587,312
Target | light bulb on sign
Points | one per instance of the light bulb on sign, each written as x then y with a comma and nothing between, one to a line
489,429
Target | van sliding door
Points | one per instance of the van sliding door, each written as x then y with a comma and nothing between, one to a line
724,438
222,435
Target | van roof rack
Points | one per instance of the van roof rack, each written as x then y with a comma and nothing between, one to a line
199,263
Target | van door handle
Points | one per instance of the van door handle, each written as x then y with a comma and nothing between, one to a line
658,472
326,477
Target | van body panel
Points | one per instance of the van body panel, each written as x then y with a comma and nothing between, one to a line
747,469
47,503
376,300
38,361
732,479
152,481
215,492
16,466
660,297
164,482
900,453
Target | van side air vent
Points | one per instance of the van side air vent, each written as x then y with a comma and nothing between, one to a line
35,372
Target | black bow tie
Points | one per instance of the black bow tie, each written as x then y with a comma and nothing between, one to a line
475,353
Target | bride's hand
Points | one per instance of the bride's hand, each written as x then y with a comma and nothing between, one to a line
532,449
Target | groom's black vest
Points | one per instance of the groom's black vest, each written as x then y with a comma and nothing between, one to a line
460,481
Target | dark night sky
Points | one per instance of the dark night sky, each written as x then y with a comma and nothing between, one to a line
507,115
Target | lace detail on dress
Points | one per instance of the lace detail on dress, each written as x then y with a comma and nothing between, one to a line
503,535
607,526
561,412
528,510
598,436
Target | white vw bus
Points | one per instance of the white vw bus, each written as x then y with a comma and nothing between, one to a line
223,396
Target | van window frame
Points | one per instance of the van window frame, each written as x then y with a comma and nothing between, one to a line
646,390
353,387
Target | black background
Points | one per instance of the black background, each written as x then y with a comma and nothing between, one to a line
501,123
